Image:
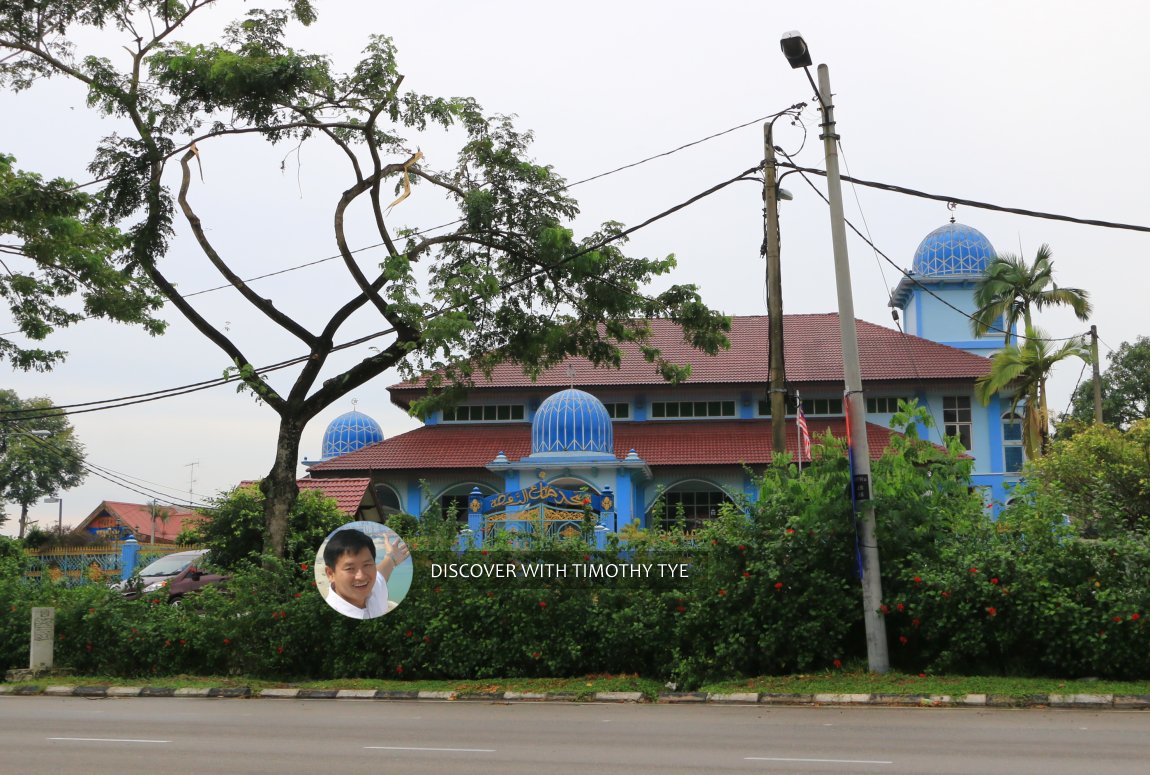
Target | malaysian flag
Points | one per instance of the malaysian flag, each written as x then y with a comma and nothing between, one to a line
804,434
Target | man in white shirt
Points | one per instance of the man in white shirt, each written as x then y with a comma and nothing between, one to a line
358,583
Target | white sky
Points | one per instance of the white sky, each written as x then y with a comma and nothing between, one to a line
1037,105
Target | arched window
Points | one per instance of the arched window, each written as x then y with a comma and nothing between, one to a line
453,501
689,503
1012,453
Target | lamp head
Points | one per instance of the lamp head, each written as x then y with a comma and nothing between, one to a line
795,49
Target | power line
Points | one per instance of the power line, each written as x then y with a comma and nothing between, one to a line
1077,382
975,203
802,172
111,476
140,398
431,229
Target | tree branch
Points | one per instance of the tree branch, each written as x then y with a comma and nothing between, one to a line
266,306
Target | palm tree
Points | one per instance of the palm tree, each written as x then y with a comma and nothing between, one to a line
1025,367
1012,288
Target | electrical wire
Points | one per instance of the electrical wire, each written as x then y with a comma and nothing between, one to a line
975,203
1073,390
111,476
862,215
457,221
802,172
115,403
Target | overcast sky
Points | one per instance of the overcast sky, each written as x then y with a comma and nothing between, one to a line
1038,105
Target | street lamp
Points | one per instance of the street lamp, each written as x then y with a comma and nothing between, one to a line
60,514
878,660
795,49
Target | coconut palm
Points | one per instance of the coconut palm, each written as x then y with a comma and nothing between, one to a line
1012,288
1023,368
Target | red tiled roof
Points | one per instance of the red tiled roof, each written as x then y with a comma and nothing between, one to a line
137,517
659,443
812,350
348,493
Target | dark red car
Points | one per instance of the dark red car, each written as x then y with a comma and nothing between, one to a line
177,573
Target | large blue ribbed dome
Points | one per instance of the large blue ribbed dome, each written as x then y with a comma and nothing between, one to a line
953,250
572,421
350,432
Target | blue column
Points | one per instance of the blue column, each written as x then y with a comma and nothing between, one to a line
624,498
475,518
414,499
128,554
609,518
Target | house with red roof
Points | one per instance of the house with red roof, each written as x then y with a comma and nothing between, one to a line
636,448
148,523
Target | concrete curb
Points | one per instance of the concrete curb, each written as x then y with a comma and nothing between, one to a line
1080,701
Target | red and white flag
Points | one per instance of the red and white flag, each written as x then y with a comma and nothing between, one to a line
804,433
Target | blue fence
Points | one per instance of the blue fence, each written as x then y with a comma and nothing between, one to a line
95,563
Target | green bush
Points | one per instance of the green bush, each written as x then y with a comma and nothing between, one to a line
772,589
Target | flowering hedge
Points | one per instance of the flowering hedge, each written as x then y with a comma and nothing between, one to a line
770,591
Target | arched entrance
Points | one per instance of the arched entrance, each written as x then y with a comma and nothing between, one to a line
689,503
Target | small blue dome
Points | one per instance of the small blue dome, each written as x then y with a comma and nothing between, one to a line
349,432
953,250
572,421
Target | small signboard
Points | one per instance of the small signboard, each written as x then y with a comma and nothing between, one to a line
43,639
862,487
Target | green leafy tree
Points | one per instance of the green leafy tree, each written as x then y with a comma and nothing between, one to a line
1023,370
54,244
508,282
1101,479
1125,388
39,460
1013,289
233,531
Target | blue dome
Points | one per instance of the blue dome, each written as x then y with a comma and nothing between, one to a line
349,432
953,250
572,421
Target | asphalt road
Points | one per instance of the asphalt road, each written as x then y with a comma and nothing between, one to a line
43,735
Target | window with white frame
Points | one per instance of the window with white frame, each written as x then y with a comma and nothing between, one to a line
483,413
956,418
678,409
883,404
812,407
1012,454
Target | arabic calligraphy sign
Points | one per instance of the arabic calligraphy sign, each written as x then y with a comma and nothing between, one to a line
541,492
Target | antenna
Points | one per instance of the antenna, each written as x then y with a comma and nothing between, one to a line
191,479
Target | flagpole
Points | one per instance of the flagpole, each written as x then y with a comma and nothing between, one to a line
799,431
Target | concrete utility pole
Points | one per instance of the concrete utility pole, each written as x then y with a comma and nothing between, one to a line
1097,374
878,659
778,391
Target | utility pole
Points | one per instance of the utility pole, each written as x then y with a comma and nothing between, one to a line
878,659
1097,374
778,390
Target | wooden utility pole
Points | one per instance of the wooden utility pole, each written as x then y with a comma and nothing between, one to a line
1097,374
778,390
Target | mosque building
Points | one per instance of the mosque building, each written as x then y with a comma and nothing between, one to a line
634,449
